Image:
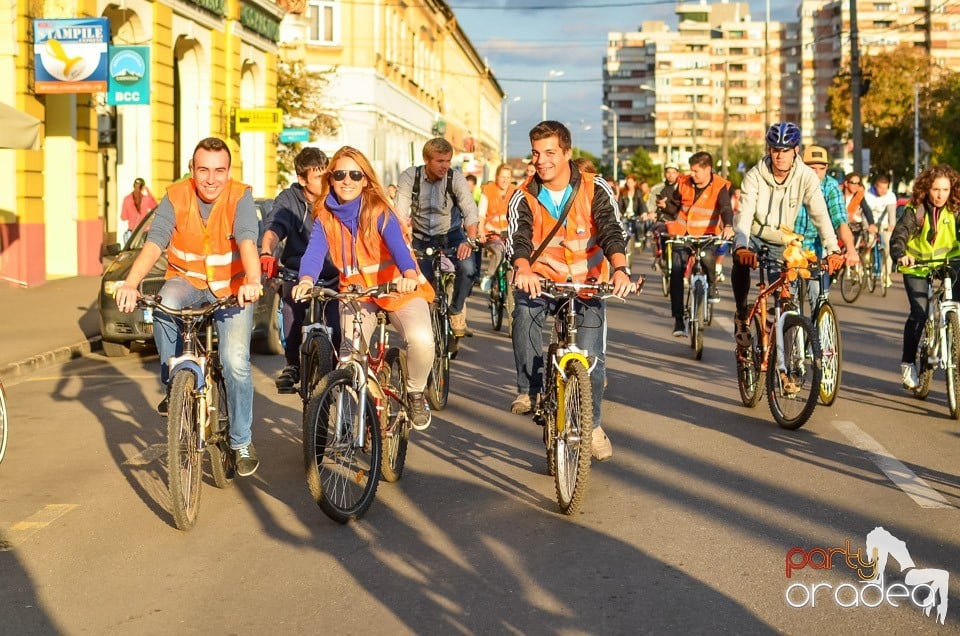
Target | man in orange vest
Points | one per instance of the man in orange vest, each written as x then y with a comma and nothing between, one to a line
208,225
589,235
493,219
699,205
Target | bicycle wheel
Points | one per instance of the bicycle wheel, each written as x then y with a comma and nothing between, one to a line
872,271
3,422
342,468
394,426
696,329
792,393
953,371
319,359
629,248
184,457
828,329
574,430
438,382
884,271
749,361
665,282
495,303
851,283
924,368
221,459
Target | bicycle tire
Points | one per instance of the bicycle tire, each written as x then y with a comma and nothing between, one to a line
438,382
831,369
222,468
546,413
665,282
699,298
708,313
184,456
342,476
318,359
792,408
495,303
4,425
749,362
866,261
394,426
884,271
951,364
851,283
924,368
573,447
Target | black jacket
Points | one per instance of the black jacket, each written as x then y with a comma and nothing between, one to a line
639,205
291,220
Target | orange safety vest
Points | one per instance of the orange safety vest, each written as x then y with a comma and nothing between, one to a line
698,216
496,220
573,252
207,255
854,214
372,263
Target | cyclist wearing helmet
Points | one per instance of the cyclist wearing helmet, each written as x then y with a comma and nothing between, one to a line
772,194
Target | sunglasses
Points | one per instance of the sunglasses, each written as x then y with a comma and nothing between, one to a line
340,175
853,182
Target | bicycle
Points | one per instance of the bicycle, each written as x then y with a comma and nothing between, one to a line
501,300
565,407
828,331
4,431
445,343
318,357
356,426
851,279
198,418
939,346
783,344
698,310
876,263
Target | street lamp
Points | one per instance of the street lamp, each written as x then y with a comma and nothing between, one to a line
504,149
551,75
616,126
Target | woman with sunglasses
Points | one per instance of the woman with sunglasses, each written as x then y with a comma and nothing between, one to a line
369,244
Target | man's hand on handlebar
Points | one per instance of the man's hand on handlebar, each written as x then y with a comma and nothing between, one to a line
127,296
746,257
622,285
851,258
465,251
249,293
525,280
835,261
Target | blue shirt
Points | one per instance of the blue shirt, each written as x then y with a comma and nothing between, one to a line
835,207
546,198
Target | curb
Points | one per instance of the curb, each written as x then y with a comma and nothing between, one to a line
20,368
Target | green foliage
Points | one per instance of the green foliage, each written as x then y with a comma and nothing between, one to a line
641,165
300,94
744,151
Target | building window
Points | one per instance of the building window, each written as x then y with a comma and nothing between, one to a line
323,19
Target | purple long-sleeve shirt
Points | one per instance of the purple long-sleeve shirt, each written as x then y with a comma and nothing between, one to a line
349,214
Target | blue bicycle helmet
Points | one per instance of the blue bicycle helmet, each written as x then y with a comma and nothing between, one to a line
783,134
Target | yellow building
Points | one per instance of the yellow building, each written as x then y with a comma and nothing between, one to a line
403,73
59,204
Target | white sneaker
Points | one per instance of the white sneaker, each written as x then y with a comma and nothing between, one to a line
602,448
909,373
485,283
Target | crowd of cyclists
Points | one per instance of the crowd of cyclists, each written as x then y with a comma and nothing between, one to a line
339,226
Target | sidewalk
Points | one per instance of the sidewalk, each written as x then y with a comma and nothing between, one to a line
46,324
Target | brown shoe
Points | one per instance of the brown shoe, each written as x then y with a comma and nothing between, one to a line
602,448
458,322
521,405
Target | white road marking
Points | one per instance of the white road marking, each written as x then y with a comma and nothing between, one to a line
893,468
21,530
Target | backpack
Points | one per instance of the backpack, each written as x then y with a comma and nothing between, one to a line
456,216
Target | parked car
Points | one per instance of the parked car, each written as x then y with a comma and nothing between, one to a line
120,330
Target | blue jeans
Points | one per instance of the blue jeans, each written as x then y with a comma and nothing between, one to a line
234,326
529,316
466,270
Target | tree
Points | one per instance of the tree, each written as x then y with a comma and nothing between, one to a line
641,165
300,95
740,152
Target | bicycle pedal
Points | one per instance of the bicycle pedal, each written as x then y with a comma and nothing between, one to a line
286,390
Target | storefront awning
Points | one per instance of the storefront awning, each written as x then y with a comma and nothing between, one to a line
18,130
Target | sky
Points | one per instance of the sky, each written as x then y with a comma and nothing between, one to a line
524,40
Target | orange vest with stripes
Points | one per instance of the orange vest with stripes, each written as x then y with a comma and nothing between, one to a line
495,221
854,213
698,214
372,263
207,255
573,252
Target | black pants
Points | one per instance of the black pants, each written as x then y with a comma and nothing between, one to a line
680,257
294,314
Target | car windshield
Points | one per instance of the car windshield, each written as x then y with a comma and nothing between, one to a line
139,236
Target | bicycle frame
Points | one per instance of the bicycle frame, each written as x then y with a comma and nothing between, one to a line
940,305
780,290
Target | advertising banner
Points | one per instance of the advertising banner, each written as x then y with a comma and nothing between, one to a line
70,56
129,76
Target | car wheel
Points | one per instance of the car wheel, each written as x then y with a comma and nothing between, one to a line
269,342
115,349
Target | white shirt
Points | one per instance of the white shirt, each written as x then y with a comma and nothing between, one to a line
880,204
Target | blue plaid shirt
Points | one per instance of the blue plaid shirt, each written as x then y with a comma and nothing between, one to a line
835,206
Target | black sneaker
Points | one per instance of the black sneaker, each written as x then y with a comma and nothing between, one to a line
741,333
679,330
288,379
420,416
164,406
714,294
246,460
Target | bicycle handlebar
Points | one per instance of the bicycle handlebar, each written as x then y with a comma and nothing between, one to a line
572,288
699,241
156,302
353,292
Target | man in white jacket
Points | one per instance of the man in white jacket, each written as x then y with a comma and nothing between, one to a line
771,196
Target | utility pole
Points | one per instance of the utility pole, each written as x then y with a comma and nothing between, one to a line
916,130
724,148
766,70
855,83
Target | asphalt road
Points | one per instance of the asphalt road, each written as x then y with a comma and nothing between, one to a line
687,530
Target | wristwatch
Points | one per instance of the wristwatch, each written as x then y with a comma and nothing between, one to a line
624,269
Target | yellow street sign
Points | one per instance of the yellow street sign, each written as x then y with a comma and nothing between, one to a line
268,120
